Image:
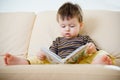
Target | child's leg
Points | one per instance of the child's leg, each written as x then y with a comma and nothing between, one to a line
40,58
102,57
14,60
35,60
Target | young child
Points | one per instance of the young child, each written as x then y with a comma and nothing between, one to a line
70,19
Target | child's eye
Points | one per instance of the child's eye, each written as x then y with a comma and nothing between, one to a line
72,26
63,26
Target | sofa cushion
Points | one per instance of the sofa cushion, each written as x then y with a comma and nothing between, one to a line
44,32
60,72
15,31
2,60
103,27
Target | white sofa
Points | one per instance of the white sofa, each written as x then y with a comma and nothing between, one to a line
24,33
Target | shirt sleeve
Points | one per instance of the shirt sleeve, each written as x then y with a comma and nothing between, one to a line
54,46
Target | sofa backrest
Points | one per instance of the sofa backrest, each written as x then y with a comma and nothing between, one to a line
44,32
101,26
15,31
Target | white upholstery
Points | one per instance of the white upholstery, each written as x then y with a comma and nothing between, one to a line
103,27
15,31
44,32
60,72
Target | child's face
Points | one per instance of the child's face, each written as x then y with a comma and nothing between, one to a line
70,28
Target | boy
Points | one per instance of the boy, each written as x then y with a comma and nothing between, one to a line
70,19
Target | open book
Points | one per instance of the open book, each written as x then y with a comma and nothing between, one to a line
74,57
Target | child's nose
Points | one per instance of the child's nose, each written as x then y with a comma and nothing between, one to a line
67,28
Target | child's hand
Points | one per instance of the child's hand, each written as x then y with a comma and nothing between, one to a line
41,55
91,48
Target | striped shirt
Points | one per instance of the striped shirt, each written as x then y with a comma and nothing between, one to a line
63,46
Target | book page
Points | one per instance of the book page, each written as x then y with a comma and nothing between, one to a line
76,55
52,57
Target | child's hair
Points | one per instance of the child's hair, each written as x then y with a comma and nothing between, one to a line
69,10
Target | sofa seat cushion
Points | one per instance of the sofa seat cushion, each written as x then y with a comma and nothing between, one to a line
60,72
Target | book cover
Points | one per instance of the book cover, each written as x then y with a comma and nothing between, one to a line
73,58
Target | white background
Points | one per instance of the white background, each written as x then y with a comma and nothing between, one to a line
42,5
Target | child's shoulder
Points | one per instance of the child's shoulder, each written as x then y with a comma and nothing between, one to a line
83,36
59,38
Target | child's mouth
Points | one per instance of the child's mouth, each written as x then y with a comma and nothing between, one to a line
67,34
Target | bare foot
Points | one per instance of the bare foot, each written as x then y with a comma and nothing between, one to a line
104,59
14,60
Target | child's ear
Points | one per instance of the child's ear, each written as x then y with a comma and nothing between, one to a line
81,25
